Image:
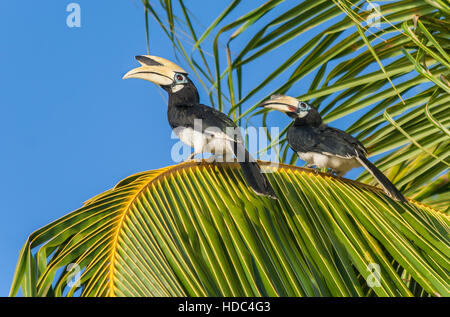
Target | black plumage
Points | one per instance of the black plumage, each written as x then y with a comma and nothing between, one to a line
326,147
309,134
184,108
217,132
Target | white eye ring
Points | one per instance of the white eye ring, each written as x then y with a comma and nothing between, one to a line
180,78
303,106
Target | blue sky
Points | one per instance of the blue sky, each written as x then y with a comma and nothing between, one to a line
70,127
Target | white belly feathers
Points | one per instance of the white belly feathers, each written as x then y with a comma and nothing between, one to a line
339,164
208,142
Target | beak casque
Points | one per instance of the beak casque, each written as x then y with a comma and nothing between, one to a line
156,69
281,103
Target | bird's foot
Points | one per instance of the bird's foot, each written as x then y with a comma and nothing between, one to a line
336,173
192,158
340,174
332,172
314,169
211,159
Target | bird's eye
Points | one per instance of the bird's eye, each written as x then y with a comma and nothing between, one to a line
179,77
302,105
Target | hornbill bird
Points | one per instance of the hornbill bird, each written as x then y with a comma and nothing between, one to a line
201,127
323,146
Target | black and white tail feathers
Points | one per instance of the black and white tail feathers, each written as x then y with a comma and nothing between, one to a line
385,183
252,173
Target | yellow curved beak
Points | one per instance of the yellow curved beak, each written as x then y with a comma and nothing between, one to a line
281,103
155,69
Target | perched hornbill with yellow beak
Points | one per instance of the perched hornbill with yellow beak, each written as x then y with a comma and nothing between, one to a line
323,146
201,127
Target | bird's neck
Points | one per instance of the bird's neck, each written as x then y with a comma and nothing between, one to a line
184,97
312,121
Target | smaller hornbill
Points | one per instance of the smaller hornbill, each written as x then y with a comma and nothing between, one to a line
325,147
201,127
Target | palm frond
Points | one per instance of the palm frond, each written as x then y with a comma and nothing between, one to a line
382,74
197,230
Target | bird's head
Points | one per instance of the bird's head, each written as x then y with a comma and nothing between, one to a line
288,105
299,110
160,71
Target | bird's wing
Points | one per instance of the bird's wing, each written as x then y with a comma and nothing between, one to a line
216,123
213,117
356,144
325,140
302,139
